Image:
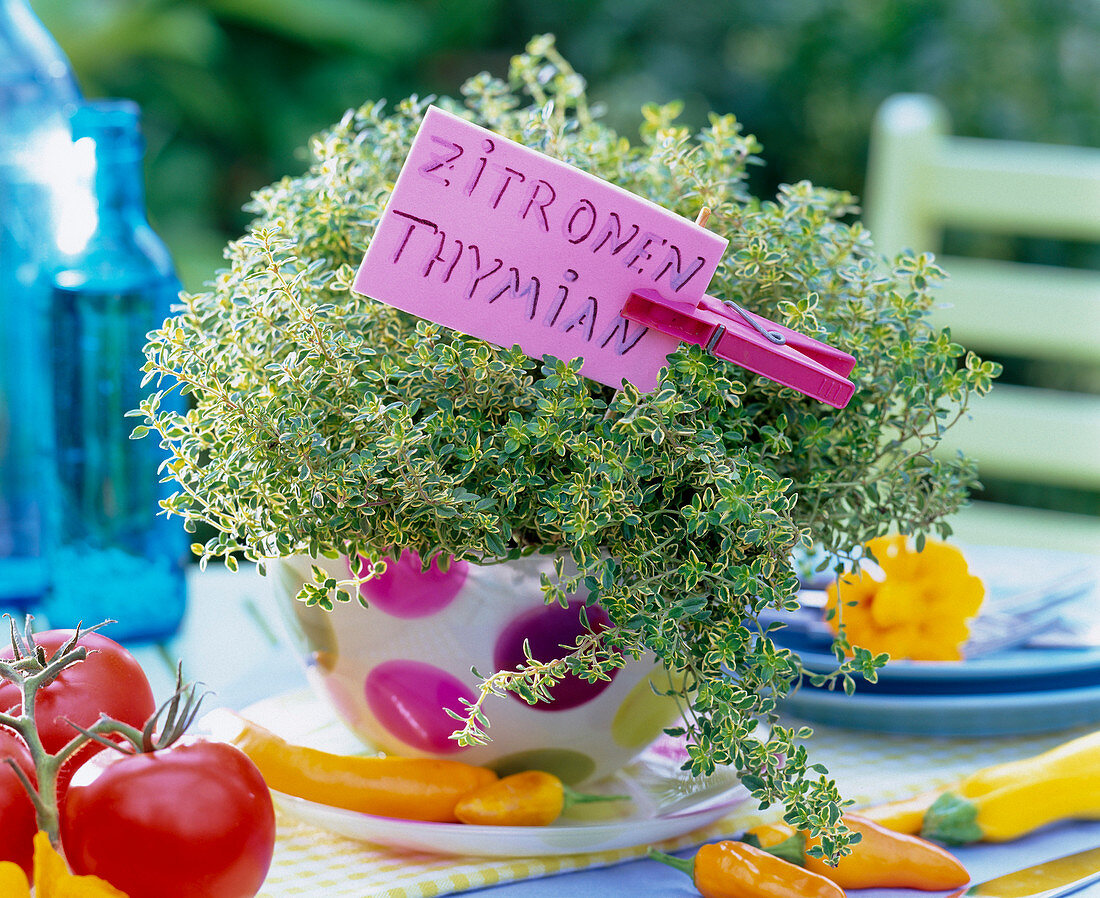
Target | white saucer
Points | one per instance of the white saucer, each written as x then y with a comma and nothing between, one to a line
665,804
665,801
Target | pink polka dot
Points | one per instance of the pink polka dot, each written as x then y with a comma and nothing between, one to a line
405,591
409,699
546,630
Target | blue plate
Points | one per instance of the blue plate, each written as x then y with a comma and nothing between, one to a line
1014,671
1002,714
1009,574
1023,690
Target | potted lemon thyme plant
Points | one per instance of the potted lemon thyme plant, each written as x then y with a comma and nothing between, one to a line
324,423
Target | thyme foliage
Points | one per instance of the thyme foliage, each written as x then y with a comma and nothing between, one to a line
324,422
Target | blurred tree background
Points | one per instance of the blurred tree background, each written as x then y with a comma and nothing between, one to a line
233,89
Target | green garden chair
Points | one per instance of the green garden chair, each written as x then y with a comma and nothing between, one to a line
922,180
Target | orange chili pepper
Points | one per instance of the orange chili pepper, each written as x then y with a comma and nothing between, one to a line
532,798
408,788
882,858
737,870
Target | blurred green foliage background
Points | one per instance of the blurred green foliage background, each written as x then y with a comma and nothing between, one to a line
232,89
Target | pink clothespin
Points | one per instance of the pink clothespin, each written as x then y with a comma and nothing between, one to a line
729,332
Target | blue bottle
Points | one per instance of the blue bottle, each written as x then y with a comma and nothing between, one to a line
37,93
115,557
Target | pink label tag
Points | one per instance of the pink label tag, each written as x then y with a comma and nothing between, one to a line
501,242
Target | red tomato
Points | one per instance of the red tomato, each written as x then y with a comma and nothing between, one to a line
17,820
193,819
109,680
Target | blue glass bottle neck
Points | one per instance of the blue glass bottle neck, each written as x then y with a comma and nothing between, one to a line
120,249
119,189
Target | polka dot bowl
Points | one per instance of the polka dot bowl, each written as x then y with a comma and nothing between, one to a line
393,669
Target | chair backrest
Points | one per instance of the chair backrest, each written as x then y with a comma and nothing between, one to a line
922,180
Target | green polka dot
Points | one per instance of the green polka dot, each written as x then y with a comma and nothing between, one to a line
568,765
643,715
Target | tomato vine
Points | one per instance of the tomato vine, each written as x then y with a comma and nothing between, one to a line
32,669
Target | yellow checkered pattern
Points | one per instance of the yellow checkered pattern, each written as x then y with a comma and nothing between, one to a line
868,768
311,862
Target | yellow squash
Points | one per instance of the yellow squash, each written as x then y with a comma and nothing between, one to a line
1007,801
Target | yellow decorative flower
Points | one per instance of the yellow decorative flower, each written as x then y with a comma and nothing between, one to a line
916,606
13,881
52,878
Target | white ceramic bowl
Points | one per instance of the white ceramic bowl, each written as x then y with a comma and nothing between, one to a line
392,669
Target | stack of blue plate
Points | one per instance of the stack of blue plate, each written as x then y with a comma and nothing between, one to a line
1016,691
1029,689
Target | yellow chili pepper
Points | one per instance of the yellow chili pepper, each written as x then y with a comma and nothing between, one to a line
1006,801
408,788
737,870
532,798
882,858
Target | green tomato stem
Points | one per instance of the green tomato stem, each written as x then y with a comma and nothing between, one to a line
46,766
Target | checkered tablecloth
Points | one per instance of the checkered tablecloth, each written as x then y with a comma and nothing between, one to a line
868,768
